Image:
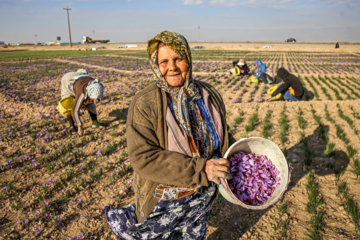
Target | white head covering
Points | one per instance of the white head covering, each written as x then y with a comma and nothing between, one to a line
95,89
241,62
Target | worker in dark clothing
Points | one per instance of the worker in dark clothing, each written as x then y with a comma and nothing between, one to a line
337,45
291,88
243,67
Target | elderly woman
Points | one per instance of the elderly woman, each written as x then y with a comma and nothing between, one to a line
176,135
85,90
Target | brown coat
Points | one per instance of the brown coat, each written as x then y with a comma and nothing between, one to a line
147,140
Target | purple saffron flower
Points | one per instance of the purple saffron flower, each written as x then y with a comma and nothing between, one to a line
58,221
38,231
253,178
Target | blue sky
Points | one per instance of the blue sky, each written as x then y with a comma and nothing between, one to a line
219,20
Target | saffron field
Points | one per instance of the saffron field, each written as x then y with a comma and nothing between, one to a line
55,185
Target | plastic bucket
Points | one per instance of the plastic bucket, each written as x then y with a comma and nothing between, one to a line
265,147
235,71
253,79
272,90
65,106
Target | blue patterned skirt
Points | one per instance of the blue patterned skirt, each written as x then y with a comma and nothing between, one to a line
183,218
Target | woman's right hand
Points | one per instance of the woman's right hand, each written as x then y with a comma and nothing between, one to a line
216,169
80,131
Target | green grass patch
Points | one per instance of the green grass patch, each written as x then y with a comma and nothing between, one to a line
253,120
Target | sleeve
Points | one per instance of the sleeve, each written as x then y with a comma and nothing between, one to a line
281,88
79,99
152,162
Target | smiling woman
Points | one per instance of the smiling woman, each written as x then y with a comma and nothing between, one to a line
172,66
176,135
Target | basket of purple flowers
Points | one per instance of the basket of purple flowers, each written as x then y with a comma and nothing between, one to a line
259,173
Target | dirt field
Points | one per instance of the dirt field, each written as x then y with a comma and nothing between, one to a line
95,168
236,46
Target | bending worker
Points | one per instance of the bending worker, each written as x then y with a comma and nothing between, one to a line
85,90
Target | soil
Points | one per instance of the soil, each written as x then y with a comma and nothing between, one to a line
227,221
238,46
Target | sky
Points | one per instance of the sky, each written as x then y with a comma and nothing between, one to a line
125,21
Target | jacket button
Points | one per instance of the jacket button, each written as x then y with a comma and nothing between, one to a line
142,214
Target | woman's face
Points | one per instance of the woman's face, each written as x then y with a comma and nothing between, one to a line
171,66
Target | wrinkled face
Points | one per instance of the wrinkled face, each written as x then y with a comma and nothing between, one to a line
171,66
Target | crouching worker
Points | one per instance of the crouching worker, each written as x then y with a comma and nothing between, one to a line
291,89
265,74
240,68
83,89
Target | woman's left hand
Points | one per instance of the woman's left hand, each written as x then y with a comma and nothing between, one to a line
216,169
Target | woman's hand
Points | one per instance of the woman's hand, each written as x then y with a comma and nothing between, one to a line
80,131
87,102
216,169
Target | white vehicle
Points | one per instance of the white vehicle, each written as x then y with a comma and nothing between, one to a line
128,46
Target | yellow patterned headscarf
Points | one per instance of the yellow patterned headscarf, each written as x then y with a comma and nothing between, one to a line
187,112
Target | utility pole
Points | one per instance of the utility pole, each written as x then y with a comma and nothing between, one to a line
198,33
35,39
67,10
94,34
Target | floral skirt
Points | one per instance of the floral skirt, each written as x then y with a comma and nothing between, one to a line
184,218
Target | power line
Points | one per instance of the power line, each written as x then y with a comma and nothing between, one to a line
67,11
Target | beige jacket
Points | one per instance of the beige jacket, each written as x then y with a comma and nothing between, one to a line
159,151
